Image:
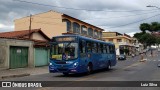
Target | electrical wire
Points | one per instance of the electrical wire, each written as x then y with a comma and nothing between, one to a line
122,16
76,8
135,21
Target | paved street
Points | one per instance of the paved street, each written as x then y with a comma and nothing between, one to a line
128,70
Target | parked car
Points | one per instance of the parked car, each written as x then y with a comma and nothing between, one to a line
121,57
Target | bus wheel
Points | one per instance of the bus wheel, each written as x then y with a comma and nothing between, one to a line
89,69
64,73
109,66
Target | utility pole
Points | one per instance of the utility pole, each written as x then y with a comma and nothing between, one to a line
30,23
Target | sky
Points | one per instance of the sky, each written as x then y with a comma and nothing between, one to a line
123,16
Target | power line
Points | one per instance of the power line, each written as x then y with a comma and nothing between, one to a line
76,8
52,23
101,18
122,16
134,22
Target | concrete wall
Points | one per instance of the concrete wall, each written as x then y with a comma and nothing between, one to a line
38,36
83,24
2,53
5,51
49,22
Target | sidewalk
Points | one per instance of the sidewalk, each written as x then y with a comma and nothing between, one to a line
20,72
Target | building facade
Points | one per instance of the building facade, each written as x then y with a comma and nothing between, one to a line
26,48
53,24
16,53
123,42
139,46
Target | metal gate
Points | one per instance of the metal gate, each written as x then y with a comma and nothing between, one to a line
18,57
41,56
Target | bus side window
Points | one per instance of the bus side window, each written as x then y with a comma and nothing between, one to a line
101,47
104,48
82,46
89,47
108,49
94,47
111,49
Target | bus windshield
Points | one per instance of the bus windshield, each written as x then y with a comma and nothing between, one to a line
64,51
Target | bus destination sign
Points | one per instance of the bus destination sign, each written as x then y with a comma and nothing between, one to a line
62,39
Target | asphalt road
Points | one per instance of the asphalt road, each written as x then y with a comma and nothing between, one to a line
129,70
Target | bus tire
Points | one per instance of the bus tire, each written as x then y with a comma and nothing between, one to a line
108,65
89,68
66,74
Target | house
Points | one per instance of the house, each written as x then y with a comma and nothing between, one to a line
122,42
25,48
54,23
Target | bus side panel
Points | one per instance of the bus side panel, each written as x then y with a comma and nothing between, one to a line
95,60
83,63
101,61
105,60
113,59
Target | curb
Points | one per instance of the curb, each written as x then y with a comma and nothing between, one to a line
16,75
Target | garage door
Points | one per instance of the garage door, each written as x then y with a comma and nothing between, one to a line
18,57
41,56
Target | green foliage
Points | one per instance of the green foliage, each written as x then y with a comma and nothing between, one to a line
144,26
146,38
154,26
138,35
158,40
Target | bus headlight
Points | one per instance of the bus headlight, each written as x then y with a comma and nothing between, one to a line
50,64
75,64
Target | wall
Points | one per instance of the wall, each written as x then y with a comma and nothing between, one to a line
49,22
2,53
83,24
38,36
109,34
5,50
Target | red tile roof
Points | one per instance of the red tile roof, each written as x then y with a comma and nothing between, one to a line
21,34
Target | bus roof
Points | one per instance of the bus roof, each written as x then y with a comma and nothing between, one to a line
86,38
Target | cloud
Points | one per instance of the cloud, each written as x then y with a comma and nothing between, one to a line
6,28
112,13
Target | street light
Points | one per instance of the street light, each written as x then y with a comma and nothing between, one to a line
152,6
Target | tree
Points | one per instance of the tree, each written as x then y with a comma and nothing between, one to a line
146,38
138,35
158,41
144,26
155,26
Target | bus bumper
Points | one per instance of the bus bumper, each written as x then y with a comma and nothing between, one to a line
62,70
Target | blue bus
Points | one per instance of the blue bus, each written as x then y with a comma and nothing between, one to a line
79,54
